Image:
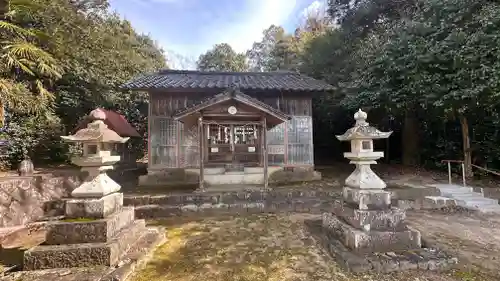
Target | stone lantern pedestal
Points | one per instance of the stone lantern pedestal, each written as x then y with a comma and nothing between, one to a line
97,228
368,233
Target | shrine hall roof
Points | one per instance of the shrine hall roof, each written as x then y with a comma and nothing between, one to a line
189,79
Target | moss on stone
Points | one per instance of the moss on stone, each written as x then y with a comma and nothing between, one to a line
79,220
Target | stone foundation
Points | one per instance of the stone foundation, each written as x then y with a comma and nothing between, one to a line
361,241
84,254
255,201
97,231
392,218
135,256
367,199
365,232
424,258
94,208
181,177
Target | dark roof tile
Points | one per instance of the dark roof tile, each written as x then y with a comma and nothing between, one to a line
188,79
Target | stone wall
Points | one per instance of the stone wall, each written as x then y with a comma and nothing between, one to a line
25,199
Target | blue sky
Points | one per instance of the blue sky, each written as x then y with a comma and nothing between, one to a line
187,28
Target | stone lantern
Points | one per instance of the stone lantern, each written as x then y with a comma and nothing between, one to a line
97,230
362,155
98,195
97,140
365,221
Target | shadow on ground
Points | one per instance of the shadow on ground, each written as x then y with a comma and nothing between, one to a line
257,247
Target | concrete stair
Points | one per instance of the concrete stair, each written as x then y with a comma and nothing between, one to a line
466,197
222,176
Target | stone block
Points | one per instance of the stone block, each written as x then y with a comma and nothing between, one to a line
84,255
390,219
367,199
371,241
94,207
97,231
437,202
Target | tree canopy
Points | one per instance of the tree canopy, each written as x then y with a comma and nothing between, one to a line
427,69
222,57
60,60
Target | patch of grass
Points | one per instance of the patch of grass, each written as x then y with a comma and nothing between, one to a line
260,247
468,275
79,220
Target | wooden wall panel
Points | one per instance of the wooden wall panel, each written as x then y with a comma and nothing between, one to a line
163,138
289,143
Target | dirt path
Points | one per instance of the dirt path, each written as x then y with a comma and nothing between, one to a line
474,238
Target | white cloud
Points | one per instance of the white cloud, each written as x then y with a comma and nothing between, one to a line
239,28
248,29
316,8
179,61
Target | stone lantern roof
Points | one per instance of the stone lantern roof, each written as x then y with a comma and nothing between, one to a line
96,131
362,129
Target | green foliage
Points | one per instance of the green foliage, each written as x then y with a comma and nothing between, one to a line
96,51
25,68
259,55
37,137
222,57
430,60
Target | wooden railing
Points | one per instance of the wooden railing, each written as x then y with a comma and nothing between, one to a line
462,164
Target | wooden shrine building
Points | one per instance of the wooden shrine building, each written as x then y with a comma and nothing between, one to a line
235,125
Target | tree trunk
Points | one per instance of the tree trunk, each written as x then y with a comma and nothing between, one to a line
411,156
466,146
4,8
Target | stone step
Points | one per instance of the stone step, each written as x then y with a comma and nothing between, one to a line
477,203
84,254
455,191
160,211
466,197
223,170
228,197
91,231
471,197
489,209
451,186
234,178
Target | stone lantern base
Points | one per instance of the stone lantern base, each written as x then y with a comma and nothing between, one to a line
366,222
364,232
96,231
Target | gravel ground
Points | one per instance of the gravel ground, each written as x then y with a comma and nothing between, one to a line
472,237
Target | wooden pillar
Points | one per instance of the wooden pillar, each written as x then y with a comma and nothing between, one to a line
285,142
178,144
202,150
150,126
264,150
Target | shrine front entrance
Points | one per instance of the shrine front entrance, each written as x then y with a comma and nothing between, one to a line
232,131
233,143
